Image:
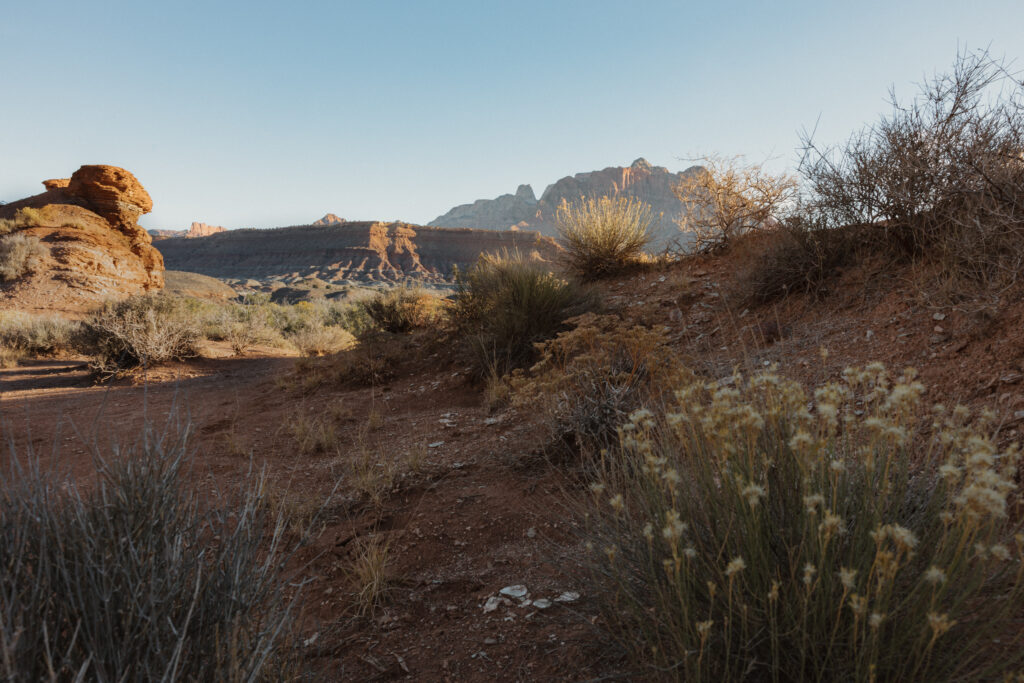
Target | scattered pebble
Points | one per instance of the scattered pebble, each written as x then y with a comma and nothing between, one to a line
939,316
493,603
517,591
492,420
312,639
490,641
542,603
436,444
531,533
568,596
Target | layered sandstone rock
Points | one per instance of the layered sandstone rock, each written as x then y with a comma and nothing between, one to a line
198,229
352,252
96,248
640,180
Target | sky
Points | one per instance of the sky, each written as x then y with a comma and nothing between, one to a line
260,114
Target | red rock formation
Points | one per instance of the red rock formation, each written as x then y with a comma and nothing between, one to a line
198,229
97,250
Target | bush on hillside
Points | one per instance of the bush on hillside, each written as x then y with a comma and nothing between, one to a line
750,532
23,218
39,334
505,304
603,236
20,255
727,198
942,176
134,577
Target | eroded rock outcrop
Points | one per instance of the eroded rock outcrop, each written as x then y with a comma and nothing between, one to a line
641,180
96,250
198,229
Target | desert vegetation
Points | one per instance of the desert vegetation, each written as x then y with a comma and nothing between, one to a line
19,255
136,577
603,236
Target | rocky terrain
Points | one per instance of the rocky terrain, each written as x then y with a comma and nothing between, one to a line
522,210
197,229
347,253
93,246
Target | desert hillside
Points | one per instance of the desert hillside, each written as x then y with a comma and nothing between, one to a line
347,253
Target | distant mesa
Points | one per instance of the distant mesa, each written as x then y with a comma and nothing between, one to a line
197,229
330,219
523,211
348,253
92,245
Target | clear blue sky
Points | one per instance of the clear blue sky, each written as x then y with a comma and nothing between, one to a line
273,113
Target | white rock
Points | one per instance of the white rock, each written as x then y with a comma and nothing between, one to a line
517,591
542,603
568,596
939,316
436,444
493,603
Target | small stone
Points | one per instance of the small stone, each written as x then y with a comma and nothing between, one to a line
542,603
939,316
568,596
869,335
517,591
490,641
1019,415
436,444
531,533
938,329
312,639
493,603
492,420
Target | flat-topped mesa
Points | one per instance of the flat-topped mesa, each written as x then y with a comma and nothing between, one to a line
94,246
198,229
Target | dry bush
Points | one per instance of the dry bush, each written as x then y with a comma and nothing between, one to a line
39,334
140,331
20,255
589,379
798,258
505,304
753,532
941,177
401,310
729,198
10,357
317,339
603,236
135,577
313,433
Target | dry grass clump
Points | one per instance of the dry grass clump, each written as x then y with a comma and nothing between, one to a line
23,218
729,198
140,331
603,236
320,340
753,532
20,255
38,334
10,357
368,574
402,309
589,379
136,577
507,303
941,177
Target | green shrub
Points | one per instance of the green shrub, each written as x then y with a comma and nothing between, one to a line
140,331
401,310
20,255
752,533
506,304
603,236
